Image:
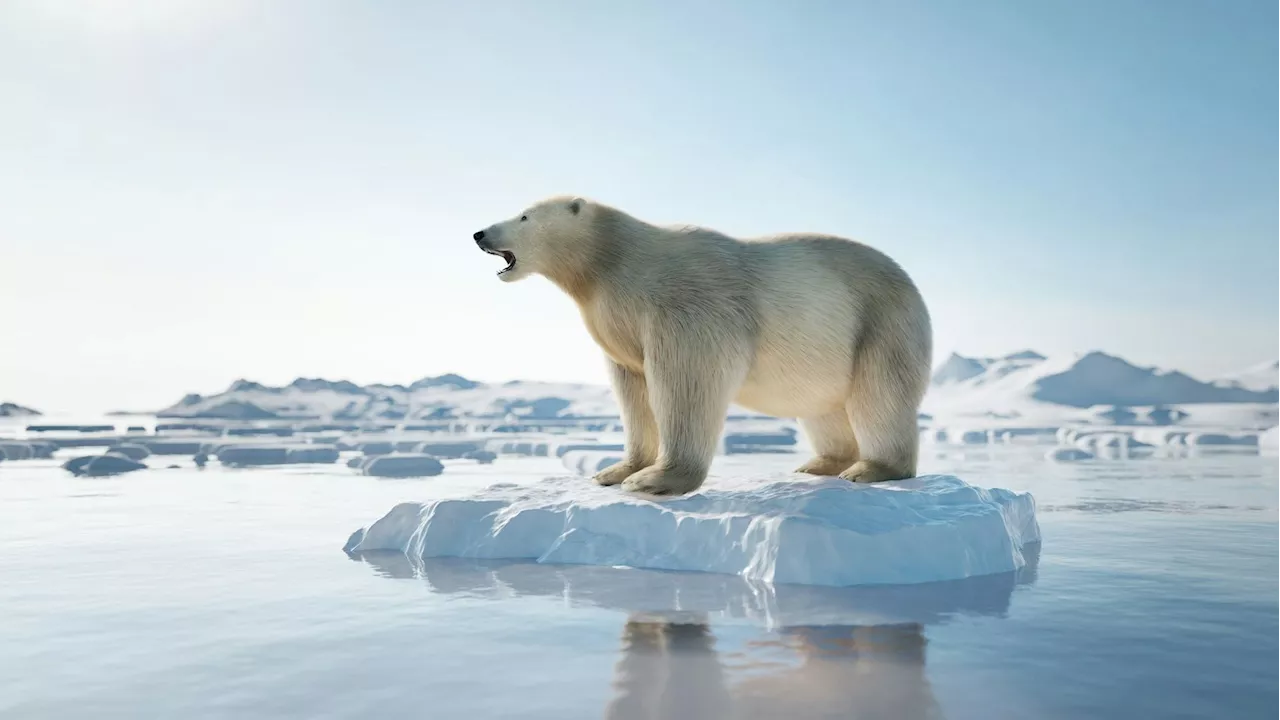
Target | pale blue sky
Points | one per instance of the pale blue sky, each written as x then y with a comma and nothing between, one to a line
197,190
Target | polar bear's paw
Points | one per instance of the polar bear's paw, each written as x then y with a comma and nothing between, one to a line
657,480
825,466
870,471
616,473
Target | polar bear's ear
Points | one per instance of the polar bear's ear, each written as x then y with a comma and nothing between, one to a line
576,205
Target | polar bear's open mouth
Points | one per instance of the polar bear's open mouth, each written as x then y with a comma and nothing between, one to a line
507,255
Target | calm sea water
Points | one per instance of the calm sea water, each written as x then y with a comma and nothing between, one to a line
185,593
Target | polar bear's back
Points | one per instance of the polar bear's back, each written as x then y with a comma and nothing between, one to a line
812,309
820,300
827,262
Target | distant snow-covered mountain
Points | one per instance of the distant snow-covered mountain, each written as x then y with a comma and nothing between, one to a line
9,409
1259,378
958,368
1023,386
431,398
1028,384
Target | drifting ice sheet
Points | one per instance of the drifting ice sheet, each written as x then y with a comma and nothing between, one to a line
777,530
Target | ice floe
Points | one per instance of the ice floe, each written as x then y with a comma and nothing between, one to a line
778,529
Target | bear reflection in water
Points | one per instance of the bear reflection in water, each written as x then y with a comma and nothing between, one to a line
673,670
837,652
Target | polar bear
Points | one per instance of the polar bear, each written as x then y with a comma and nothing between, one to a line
820,328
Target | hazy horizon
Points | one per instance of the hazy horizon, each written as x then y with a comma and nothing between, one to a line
201,190
284,380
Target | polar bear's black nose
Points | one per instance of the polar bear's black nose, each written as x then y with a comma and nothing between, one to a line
478,236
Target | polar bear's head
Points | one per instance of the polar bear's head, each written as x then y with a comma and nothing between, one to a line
540,239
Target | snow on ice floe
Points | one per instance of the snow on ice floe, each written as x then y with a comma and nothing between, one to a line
773,530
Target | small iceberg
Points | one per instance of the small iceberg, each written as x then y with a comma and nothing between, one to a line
250,455
137,453
402,466
1068,454
783,529
1269,441
102,465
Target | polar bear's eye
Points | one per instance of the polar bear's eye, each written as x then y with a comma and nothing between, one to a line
523,218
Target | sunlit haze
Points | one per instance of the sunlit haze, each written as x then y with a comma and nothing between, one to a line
197,191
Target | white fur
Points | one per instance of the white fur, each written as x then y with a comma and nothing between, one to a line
820,328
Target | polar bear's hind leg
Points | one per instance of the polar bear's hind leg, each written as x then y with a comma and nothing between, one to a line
834,445
890,376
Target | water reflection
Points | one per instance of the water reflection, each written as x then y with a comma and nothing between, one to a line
827,653
673,670
683,597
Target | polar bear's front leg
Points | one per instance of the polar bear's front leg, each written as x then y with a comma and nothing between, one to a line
637,422
690,387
